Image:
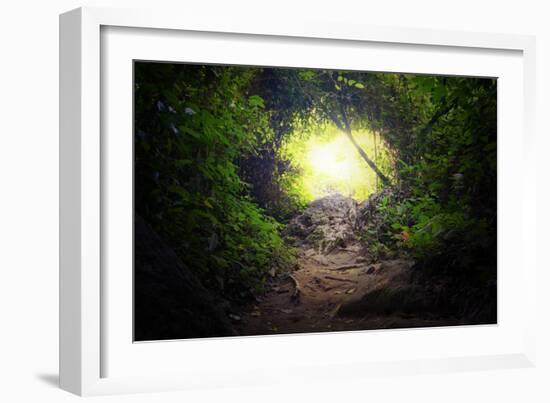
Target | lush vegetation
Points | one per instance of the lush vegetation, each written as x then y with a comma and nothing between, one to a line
444,209
225,155
194,124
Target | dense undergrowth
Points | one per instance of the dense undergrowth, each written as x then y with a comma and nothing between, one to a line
193,126
443,209
213,180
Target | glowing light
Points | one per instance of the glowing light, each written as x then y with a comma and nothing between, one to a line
326,160
329,164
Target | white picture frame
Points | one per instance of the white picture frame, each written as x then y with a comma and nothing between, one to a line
89,339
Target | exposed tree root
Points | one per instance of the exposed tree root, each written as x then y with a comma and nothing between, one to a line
347,266
344,280
295,297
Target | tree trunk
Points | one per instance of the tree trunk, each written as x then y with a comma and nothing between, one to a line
363,154
346,128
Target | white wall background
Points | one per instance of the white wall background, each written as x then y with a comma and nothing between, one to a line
29,199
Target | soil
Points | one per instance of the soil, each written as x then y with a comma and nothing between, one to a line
339,287
324,287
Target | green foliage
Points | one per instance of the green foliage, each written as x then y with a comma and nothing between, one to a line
423,228
220,150
445,211
193,125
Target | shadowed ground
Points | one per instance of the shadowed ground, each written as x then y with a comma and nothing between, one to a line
338,286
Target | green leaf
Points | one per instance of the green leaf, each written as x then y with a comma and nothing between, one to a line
256,101
190,131
307,75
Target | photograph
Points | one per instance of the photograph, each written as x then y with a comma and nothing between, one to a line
275,200
222,202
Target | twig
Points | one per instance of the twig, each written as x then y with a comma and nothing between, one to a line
347,266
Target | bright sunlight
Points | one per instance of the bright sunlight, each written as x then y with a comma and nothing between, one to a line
328,163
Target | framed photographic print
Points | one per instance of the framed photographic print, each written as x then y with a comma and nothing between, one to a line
237,196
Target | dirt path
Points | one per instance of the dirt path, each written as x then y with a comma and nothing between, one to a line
311,299
337,285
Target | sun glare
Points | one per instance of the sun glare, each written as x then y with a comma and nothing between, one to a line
330,164
326,159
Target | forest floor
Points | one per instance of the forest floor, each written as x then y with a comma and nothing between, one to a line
311,298
339,289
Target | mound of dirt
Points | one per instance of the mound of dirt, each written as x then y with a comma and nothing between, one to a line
391,289
327,223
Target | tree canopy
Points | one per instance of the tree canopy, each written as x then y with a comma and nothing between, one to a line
218,171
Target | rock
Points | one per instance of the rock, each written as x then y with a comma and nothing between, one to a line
327,223
399,287
394,291
374,268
